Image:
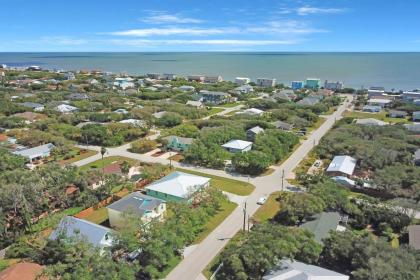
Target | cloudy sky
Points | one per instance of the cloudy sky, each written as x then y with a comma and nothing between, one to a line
214,25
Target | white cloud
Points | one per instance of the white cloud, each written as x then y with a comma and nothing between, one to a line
285,27
144,32
161,17
210,42
63,41
307,10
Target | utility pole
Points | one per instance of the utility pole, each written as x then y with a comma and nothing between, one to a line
244,227
248,222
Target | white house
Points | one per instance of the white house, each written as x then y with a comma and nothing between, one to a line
238,146
136,203
65,108
342,166
97,235
242,81
169,77
294,270
378,102
134,122
121,111
253,111
196,104
370,121
213,79
195,78
264,82
36,153
244,89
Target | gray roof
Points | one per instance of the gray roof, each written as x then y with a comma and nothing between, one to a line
321,224
397,112
415,127
73,227
370,121
417,155
308,101
36,151
344,164
181,140
256,130
218,93
136,203
414,236
283,125
294,270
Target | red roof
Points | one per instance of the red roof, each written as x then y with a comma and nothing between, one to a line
20,271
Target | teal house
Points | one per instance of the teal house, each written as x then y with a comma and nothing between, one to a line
176,143
177,186
312,83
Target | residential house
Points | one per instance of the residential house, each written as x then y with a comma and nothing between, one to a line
285,94
242,81
325,92
72,227
196,104
297,85
264,82
374,93
65,109
342,166
417,157
321,224
177,186
371,109
253,112
186,88
78,96
283,125
379,102
69,76
416,116
333,85
294,270
124,83
215,97
414,236
177,143
410,96
34,106
252,133
309,101
195,78
159,115
22,271
36,153
243,89
134,122
121,111
213,79
154,76
146,207
413,128
238,146
313,83
370,121
397,114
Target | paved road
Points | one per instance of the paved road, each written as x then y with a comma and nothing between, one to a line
191,266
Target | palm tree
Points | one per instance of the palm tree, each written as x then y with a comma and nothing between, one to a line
103,152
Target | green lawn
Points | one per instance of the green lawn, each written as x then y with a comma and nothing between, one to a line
379,116
269,209
225,184
229,105
98,216
227,208
213,111
107,161
76,156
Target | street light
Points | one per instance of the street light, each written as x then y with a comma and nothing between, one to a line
282,180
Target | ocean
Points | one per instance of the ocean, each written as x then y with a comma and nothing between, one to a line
399,71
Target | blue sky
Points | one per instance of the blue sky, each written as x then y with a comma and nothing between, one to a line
213,25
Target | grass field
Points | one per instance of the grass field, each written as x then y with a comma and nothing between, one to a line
76,156
229,105
213,111
225,184
98,216
107,161
227,208
269,209
379,116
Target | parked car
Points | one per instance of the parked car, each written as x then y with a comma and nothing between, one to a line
262,200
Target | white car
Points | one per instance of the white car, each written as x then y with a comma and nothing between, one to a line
262,200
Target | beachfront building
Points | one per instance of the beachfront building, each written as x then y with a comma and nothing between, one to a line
264,82
242,81
154,76
333,85
313,83
195,78
169,77
238,146
410,96
213,79
36,153
297,85
72,227
177,186
146,207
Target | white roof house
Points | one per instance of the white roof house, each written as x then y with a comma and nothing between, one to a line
65,108
293,270
343,165
235,146
253,111
197,104
134,122
36,152
370,121
178,185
